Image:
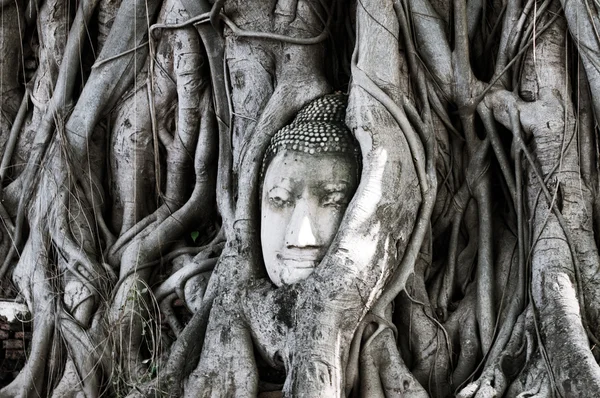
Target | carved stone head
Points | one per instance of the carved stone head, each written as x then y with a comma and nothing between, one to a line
310,173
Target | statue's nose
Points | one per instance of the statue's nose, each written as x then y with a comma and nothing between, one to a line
300,230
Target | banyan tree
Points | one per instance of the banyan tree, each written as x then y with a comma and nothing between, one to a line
302,198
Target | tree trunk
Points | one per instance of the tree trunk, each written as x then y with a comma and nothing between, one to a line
133,137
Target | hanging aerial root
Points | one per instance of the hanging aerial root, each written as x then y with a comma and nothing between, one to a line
55,109
144,249
465,322
13,137
178,279
384,373
214,46
33,280
502,367
448,283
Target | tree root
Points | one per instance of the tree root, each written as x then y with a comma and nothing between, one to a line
383,372
494,381
32,272
147,247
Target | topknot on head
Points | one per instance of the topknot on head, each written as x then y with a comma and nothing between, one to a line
329,109
319,127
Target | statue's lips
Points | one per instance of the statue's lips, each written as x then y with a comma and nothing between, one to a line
301,259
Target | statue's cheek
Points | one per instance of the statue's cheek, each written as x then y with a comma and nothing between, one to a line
329,219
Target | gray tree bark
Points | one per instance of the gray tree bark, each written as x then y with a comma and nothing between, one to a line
132,136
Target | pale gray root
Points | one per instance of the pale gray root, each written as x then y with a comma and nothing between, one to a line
383,372
70,385
11,35
54,23
171,118
446,291
52,117
552,71
139,123
428,342
234,374
107,11
453,66
554,291
85,286
497,375
251,71
113,73
214,45
583,23
508,37
179,280
195,286
137,259
55,184
468,255
132,161
444,201
33,279
63,220
127,13
431,40
462,329
558,268
534,378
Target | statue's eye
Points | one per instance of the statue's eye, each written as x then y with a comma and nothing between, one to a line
279,197
335,199
278,201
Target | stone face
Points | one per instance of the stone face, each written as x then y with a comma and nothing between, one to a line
304,200
310,173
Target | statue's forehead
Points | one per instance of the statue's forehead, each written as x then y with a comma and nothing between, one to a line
290,168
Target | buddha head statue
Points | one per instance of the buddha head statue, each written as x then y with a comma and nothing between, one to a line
310,173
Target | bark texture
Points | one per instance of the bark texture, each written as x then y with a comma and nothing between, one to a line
132,135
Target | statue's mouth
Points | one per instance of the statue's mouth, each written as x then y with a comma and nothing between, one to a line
302,256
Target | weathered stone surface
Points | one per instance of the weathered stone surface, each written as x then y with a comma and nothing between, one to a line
15,335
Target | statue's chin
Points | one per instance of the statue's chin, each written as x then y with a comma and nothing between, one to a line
296,272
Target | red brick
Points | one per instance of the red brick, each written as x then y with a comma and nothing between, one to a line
23,335
178,303
270,394
12,344
15,326
14,354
